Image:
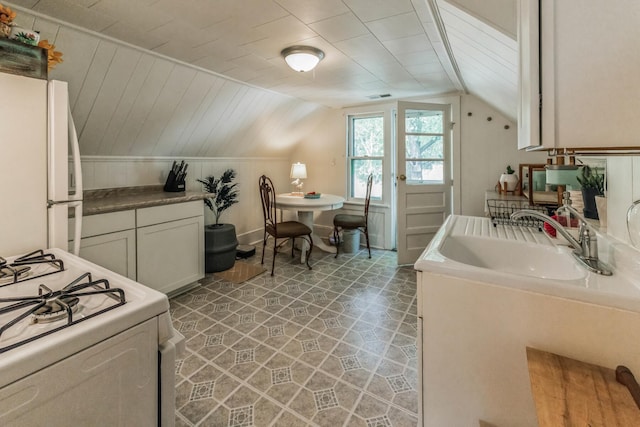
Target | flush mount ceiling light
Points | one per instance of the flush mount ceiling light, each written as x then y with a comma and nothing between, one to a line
302,58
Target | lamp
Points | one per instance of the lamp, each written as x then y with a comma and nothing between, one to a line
302,58
298,173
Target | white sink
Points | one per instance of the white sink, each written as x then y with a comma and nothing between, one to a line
471,248
521,258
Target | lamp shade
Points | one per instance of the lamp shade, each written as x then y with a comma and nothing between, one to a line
302,58
563,175
299,171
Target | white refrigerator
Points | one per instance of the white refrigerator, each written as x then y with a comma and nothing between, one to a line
37,142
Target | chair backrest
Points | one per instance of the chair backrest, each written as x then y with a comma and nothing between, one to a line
268,196
367,199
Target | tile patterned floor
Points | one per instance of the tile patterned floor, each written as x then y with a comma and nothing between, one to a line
334,346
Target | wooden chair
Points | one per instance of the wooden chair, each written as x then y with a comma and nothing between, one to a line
352,222
279,230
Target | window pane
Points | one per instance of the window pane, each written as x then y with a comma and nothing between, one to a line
360,170
424,121
425,172
368,137
424,147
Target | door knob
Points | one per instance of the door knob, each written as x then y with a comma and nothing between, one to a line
402,177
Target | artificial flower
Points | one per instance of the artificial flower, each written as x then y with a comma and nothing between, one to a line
53,57
6,15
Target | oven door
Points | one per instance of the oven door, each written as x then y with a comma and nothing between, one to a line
111,383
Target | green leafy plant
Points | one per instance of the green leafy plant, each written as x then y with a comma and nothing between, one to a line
590,178
224,192
509,170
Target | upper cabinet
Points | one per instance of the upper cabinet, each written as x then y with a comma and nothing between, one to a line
586,68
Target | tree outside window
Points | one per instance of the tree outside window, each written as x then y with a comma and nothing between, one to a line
424,145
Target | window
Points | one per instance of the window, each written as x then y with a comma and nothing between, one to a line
424,145
365,155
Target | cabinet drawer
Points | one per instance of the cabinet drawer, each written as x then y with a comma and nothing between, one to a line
166,213
95,225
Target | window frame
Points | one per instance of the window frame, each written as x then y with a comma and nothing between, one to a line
351,157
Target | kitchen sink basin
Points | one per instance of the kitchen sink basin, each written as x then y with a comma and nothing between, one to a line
515,257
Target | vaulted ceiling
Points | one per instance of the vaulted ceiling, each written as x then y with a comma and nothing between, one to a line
372,47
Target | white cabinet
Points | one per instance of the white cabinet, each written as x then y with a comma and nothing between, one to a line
109,240
170,242
161,247
589,67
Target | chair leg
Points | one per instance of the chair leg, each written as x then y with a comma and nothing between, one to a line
264,246
366,235
335,239
309,252
293,245
275,251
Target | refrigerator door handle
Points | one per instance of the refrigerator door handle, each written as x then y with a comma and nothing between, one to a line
77,171
78,230
75,152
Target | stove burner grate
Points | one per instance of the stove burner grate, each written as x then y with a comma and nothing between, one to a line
24,267
50,305
9,274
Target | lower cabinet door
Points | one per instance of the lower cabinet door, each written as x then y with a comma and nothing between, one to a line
115,251
171,254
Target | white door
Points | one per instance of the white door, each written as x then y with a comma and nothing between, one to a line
423,175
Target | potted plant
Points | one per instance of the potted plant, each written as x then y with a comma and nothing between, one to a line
592,184
220,239
510,178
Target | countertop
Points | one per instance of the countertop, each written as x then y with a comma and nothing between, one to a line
568,392
127,198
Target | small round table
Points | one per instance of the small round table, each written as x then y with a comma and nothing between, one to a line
305,208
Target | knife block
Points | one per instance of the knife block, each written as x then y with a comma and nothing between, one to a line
173,184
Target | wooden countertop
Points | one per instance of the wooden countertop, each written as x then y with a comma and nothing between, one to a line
568,392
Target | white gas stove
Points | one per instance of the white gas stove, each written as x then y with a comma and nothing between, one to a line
71,330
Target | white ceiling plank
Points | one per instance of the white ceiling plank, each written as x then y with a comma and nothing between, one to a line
163,110
370,10
341,27
111,145
396,27
79,50
70,12
309,11
111,90
89,90
186,142
136,14
171,137
144,102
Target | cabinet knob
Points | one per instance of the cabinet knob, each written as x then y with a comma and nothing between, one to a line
402,177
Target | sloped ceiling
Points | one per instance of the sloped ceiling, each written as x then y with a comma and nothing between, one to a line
127,102
371,47
205,77
482,36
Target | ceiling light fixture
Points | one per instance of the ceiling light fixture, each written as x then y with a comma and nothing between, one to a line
302,58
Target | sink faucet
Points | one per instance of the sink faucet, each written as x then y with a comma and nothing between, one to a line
585,247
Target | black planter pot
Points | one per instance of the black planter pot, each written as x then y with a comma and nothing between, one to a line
589,198
220,245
